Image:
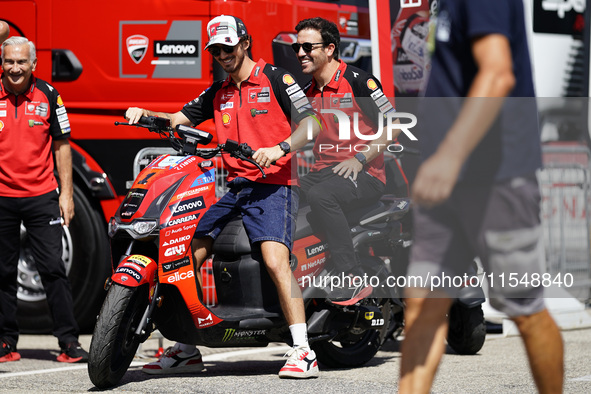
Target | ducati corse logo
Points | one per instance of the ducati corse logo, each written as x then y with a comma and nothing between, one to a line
137,46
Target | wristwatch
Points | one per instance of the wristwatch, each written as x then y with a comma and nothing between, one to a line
285,147
361,157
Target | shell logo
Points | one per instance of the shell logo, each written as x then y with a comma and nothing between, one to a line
288,79
1,125
226,118
59,100
372,84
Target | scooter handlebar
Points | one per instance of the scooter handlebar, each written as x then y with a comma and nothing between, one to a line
242,151
152,123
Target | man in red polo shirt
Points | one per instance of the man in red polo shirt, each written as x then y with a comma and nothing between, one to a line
256,105
33,120
347,173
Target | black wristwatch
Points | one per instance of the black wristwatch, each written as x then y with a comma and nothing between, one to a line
285,147
361,157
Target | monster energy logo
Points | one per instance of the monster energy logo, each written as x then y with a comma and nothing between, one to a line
246,334
229,334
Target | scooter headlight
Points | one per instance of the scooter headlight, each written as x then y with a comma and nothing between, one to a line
144,227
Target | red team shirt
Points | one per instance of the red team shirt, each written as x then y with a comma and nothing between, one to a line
29,123
257,113
341,93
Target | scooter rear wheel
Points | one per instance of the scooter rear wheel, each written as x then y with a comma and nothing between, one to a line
354,350
467,329
114,342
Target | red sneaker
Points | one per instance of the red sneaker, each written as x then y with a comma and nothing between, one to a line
8,353
73,353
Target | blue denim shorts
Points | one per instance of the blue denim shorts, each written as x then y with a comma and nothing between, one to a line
268,212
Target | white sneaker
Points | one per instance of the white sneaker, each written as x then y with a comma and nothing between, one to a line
174,360
301,363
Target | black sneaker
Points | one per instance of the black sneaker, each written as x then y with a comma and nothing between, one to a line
8,352
73,353
353,288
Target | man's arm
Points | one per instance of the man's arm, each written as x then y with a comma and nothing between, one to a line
63,161
368,98
438,175
133,115
297,140
352,166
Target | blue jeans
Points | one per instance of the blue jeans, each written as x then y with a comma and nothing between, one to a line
268,212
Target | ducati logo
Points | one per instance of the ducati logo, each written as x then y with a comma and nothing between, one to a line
137,46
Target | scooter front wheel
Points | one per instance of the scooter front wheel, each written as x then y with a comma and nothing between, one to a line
114,342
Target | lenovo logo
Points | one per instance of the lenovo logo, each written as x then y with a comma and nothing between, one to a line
176,48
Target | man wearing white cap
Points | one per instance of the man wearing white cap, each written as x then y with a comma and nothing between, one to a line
255,104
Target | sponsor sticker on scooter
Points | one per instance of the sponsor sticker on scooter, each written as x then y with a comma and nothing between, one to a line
207,177
176,264
180,276
316,249
170,162
188,206
131,203
184,219
139,259
232,334
208,321
129,271
178,250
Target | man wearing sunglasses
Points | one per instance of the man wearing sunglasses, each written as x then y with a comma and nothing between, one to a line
256,105
347,174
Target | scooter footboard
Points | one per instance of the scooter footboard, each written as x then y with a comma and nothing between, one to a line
135,270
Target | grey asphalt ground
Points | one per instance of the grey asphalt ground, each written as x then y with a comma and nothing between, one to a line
500,367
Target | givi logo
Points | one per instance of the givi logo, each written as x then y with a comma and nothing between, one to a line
175,251
137,46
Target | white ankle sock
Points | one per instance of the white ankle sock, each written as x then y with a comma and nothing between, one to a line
190,349
299,334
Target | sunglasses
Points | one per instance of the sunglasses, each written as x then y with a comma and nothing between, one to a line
216,50
306,46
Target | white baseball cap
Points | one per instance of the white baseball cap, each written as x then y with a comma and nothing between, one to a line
225,30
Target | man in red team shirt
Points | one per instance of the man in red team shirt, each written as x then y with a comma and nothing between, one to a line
347,173
33,120
255,105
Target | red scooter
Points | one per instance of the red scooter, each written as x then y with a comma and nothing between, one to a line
154,285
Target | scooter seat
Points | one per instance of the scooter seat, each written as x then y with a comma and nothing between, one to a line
354,216
233,240
360,214
397,209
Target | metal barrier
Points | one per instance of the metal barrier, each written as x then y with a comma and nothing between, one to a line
565,184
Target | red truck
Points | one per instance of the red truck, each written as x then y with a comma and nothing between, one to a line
104,57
